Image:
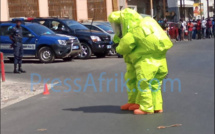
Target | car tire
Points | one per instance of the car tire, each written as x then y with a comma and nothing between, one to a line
86,51
11,59
100,55
46,55
119,56
68,59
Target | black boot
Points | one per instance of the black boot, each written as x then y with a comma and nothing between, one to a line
20,69
15,69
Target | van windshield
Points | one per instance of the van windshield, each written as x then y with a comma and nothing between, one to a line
40,30
74,25
106,28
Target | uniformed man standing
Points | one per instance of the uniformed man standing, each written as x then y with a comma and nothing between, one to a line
16,37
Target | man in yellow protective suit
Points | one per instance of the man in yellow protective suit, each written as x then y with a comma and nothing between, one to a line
143,44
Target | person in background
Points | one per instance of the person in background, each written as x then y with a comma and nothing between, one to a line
204,22
60,28
184,24
180,29
198,28
209,28
194,29
190,30
165,26
160,21
16,37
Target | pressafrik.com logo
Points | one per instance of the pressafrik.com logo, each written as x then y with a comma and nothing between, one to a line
90,82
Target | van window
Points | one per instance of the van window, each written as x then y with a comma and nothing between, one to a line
5,30
95,28
58,27
44,23
25,32
92,27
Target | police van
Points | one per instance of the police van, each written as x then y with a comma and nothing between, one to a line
39,42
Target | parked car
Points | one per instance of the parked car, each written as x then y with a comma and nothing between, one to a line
92,42
40,42
104,27
103,23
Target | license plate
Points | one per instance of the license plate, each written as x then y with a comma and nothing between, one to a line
109,46
75,47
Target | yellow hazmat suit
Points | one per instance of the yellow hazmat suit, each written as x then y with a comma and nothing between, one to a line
143,44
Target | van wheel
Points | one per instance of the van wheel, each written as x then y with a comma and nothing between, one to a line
86,51
46,55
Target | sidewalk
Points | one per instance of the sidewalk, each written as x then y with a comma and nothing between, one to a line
13,92
173,40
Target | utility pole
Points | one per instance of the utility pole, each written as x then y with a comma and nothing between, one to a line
214,11
208,8
200,4
184,9
181,10
164,8
151,4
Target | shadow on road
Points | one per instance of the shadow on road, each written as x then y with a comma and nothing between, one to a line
100,109
32,62
8,72
36,61
95,58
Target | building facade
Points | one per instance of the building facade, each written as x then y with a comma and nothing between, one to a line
187,7
73,9
156,8
78,9
83,10
191,9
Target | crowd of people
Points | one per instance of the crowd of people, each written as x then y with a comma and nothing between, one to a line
193,29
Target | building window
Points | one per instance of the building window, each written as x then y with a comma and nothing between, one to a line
141,6
63,8
211,9
97,9
23,8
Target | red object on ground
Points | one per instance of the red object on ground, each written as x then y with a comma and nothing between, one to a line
2,66
46,90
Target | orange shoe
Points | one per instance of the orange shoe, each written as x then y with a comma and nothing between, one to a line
140,112
126,106
158,111
134,107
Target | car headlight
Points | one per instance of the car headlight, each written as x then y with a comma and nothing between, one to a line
62,42
95,38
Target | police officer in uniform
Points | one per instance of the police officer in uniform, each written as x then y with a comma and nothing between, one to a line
16,37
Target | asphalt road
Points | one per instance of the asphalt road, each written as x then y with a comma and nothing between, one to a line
91,112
